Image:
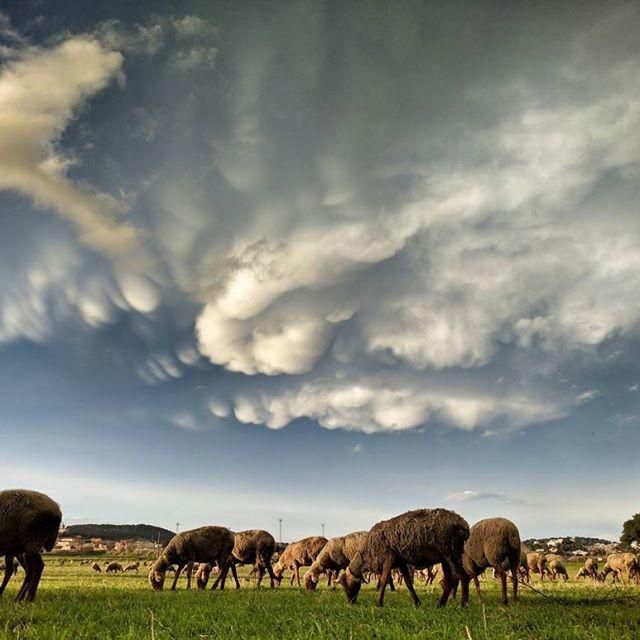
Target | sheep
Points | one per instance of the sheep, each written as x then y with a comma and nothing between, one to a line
96,567
205,544
134,566
335,556
29,522
556,568
421,538
254,546
582,573
429,574
621,565
591,567
536,563
114,567
492,543
298,554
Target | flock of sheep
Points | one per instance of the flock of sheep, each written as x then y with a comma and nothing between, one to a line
415,541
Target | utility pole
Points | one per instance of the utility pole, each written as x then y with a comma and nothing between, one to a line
177,527
322,529
279,529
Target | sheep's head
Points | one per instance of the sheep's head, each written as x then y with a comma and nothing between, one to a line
277,574
156,578
310,581
350,584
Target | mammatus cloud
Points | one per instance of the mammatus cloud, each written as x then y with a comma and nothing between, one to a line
512,240
40,92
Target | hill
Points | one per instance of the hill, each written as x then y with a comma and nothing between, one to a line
120,532
569,544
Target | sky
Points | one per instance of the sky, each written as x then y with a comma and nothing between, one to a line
321,262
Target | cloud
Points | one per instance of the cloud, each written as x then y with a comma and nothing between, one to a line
40,92
481,496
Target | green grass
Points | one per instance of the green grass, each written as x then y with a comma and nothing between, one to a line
75,604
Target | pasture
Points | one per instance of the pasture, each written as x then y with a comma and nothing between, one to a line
73,603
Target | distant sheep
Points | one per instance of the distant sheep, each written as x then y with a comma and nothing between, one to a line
254,546
622,565
591,567
96,567
536,563
298,554
114,567
556,568
335,556
492,543
205,544
420,538
134,566
29,522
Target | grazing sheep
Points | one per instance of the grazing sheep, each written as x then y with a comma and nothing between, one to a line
591,567
420,538
621,565
429,574
556,568
492,543
254,546
96,567
205,544
536,563
114,567
335,556
582,573
134,566
302,553
29,522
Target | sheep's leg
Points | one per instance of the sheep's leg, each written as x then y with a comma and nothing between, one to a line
8,562
385,577
189,573
272,576
37,566
329,576
447,584
392,587
476,584
175,579
297,572
514,578
503,584
223,572
261,571
234,573
406,574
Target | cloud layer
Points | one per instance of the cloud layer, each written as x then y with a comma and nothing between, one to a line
348,224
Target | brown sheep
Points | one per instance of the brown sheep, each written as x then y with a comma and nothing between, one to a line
420,538
96,567
298,554
621,565
205,544
29,522
254,546
336,555
536,563
492,543
114,567
556,568
134,566
591,567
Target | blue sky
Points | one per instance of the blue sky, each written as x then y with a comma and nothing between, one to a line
322,262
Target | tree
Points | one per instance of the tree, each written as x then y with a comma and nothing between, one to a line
631,531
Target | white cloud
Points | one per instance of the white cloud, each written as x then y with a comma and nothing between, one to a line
39,93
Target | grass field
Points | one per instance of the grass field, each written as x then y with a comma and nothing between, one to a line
73,603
